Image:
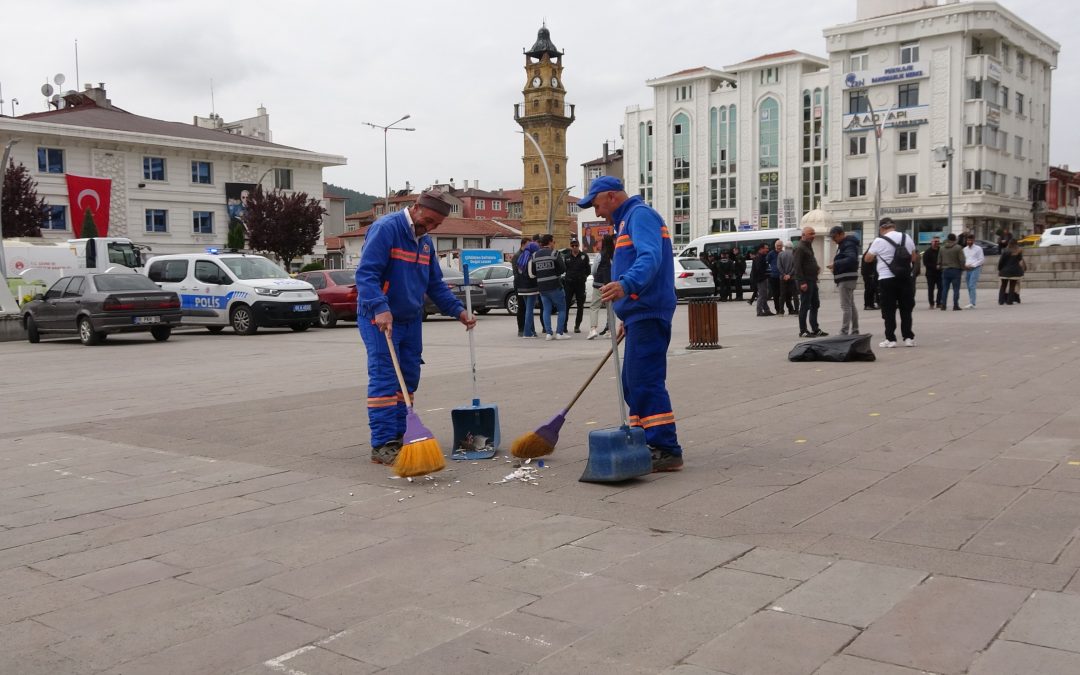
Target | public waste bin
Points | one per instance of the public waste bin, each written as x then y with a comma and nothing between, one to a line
704,326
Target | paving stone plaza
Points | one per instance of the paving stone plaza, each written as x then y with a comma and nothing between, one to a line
206,505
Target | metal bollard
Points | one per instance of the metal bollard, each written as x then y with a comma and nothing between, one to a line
704,326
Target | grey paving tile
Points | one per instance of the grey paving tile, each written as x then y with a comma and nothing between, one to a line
952,518
1035,527
852,593
233,574
453,658
1049,620
18,579
843,664
1015,658
797,503
941,625
354,604
475,603
676,562
1012,471
720,500
79,617
29,634
43,599
40,661
592,602
396,636
624,540
128,575
521,637
531,576
311,660
538,537
773,643
862,515
784,564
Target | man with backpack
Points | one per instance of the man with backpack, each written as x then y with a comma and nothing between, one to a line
895,254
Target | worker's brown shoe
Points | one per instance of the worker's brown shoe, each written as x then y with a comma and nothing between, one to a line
662,460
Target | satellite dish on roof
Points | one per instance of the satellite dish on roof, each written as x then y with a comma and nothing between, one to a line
59,79
47,89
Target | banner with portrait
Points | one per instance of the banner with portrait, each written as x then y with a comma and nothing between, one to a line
236,200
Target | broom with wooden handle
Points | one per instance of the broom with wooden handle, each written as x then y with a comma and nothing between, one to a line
420,452
542,441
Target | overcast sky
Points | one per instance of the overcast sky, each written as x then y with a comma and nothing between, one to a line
323,67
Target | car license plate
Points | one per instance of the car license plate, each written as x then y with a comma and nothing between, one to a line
147,319
301,308
703,278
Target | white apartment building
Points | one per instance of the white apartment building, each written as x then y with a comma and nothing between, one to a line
760,143
169,179
971,73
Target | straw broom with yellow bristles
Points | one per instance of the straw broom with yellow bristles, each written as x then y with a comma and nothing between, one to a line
420,453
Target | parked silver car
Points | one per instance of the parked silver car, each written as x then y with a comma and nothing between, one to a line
497,283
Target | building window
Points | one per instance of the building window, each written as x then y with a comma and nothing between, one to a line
908,140
681,200
769,134
202,222
722,193
55,218
1005,55
722,142
858,102
722,225
857,187
536,168
1019,147
536,201
557,169
202,173
768,198
283,179
153,168
1019,103
856,146
906,184
973,135
157,220
908,95
472,242
496,205
1021,60
680,144
645,161
909,52
770,75
859,61
478,204
1004,97
814,147
1017,186
974,90
684,93
49,160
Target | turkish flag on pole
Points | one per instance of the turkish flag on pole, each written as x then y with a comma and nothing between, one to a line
88,192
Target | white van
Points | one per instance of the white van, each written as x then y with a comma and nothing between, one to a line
235,289
1061,236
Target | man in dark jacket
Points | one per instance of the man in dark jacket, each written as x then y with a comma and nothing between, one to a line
806,276
725,272
547,268
870,284
759,279
933,272
773,259
845,269
577,272
738,264
525,289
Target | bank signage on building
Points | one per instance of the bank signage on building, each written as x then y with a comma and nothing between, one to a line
887,119
892,74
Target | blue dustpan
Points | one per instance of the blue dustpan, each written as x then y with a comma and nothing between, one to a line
617,454
476,426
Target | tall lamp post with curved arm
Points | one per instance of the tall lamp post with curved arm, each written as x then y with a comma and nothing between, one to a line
547,173
386,171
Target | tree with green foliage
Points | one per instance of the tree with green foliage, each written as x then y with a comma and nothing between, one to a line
313,266
89,227
236,238
287,225
23,213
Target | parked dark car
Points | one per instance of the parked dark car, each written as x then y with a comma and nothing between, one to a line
92,306
337,294
453,280
497,282
988,247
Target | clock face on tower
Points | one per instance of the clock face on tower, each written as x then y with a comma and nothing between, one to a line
536,81
555,82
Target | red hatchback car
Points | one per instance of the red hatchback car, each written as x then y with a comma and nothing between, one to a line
337,295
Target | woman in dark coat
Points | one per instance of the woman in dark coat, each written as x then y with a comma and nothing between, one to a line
1011,267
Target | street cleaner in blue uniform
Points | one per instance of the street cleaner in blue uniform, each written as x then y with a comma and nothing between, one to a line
398,265
643,290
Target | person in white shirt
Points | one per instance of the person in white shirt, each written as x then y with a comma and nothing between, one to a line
896,281
973,262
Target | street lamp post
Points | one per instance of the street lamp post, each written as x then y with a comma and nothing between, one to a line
386,170
547,172
7,301
877,157
944,154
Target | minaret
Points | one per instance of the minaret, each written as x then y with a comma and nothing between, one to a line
544,116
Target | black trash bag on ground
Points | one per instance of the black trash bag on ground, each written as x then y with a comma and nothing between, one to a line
837,348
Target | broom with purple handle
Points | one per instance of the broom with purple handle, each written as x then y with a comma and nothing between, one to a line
543,441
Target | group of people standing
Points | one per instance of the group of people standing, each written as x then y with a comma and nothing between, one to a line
728,268
558,279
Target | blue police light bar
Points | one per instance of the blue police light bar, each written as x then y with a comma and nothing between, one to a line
211,250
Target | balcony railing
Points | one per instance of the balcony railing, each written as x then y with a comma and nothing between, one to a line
538,108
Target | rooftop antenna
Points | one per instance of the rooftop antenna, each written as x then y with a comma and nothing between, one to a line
77,80
46,91
212,108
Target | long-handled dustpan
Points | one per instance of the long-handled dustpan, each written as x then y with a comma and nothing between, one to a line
621,453
476,427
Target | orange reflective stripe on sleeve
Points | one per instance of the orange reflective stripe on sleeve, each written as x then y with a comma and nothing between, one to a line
664,234
624,240
403,255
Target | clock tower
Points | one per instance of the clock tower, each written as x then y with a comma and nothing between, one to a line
544,116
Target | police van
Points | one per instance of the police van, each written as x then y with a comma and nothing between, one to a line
235,289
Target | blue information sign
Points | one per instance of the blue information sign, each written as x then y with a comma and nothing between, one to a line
479,257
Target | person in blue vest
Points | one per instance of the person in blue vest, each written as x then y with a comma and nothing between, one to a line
642,288
399,264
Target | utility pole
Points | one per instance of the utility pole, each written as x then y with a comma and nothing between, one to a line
944,154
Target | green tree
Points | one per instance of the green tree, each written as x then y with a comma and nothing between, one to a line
235,239
22,213
89,227
286,225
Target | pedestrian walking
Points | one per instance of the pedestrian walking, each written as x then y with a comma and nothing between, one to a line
643,292
1011,268
601,276
773,259
577,266
973,262
933,272
845,269
547,268
759,279
527,291
789,290
870,283
398,267
738,263
806,276
951,262
894,254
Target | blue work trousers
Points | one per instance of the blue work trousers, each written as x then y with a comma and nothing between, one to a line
644,375
385,404
556,298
